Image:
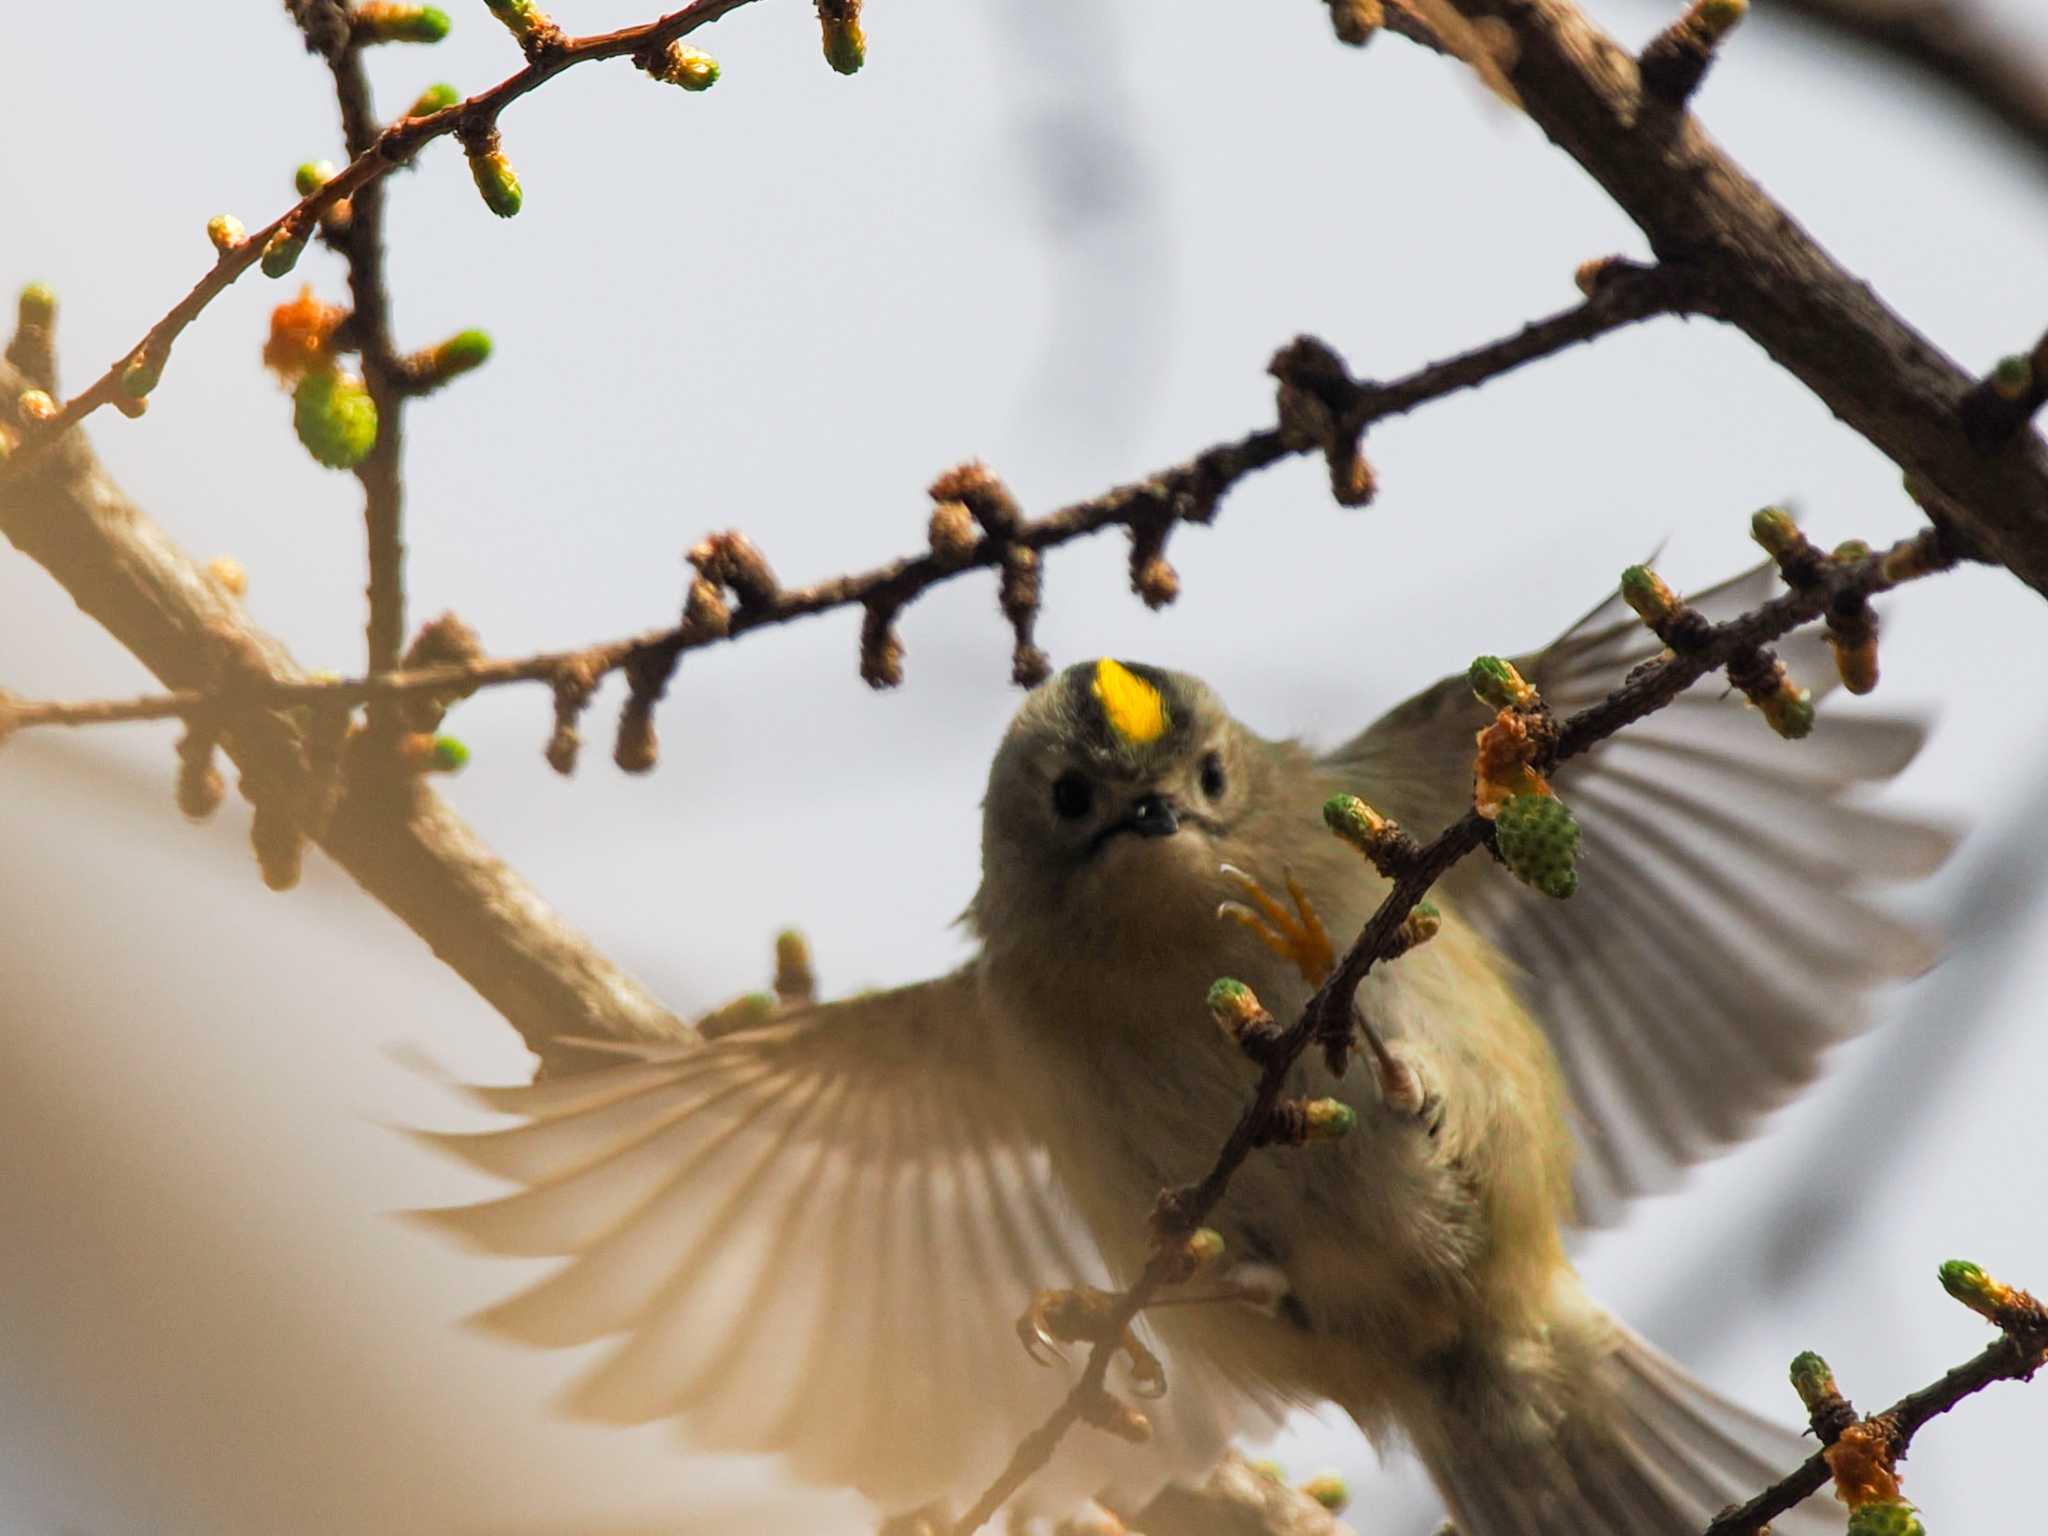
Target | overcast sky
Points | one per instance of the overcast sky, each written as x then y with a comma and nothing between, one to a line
1062,235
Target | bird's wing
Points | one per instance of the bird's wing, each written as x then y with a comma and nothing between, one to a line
814,1238
1721,936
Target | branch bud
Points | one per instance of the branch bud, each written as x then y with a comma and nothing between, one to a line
33,348
435,98
796,984
493,173
379,22
846,44
426,371
281,252
1328,1490
226,232
1498,685
680,65
534,29
312,176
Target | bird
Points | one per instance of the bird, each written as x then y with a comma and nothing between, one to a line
814,1235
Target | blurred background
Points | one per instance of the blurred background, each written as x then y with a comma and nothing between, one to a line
1062,235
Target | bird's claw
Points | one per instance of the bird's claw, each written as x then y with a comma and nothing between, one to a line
1298,935
1405,1089
1083,1314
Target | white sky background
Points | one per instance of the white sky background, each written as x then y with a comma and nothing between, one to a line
1062,235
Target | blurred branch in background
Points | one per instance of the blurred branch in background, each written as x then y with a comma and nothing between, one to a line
1955,43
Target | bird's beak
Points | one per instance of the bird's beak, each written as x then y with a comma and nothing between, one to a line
1151,815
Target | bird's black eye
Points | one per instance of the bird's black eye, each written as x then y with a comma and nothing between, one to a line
1212,776
1072,795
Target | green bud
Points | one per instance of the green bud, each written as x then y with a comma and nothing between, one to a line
450,755
335,418
1885,1520
1646,593
2013,377
226,232
1852,549
37,305
1356,822
496,181
1976,1290
1328,1119
460,353
846,46
282,251
435,98
1329,1491
1812,1379
1234,1006
525,20
1774,529
141,375
1204,1247
312,176
1789,711
1270,1470
1539,838
1497,684
691,68
381,23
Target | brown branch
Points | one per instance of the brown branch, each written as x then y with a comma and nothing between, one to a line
398,839
393,147
2014,1356
1953,44
1327,1014
1761,272
362,245
1187,491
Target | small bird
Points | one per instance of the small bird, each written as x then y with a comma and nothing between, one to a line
814,1236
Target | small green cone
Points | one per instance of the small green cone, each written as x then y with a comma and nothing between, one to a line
450,756
846,46
1539,838
1885,1520
1789,711
335,418
312,176
1496,683
1812,1379
1647,595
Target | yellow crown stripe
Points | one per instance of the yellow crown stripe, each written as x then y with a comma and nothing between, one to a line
1132,706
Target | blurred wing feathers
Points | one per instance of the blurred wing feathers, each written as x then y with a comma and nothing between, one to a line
812,1238
1721,936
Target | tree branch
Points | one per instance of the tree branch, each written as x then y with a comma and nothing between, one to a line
391,148
1188,491
399,841
1764,274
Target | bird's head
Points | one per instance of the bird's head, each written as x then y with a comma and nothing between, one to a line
1114,795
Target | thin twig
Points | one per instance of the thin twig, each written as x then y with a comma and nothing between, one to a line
1187,490
1646,690
393,147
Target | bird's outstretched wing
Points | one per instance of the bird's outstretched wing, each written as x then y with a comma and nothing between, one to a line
813,1238
1721,937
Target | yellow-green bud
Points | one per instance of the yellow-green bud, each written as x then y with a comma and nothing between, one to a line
1497,684
312,176
1357,823
496,181
2013,377
36,406
1204,1247
1329,1491
1852,549
1270,1470
335,418
1235,1007
691,68
1423,923
450,756
846,45
525,20
1775,530
37,305
141,375
1328,1119
435,98
1539,838
1976,1290
1715,18
1788,711
460,353
281,253
377,22
226,232
1812,1379
1646,593
1885,1519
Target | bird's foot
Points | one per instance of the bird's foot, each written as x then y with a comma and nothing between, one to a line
1405,1088
1084,1314
1298,935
